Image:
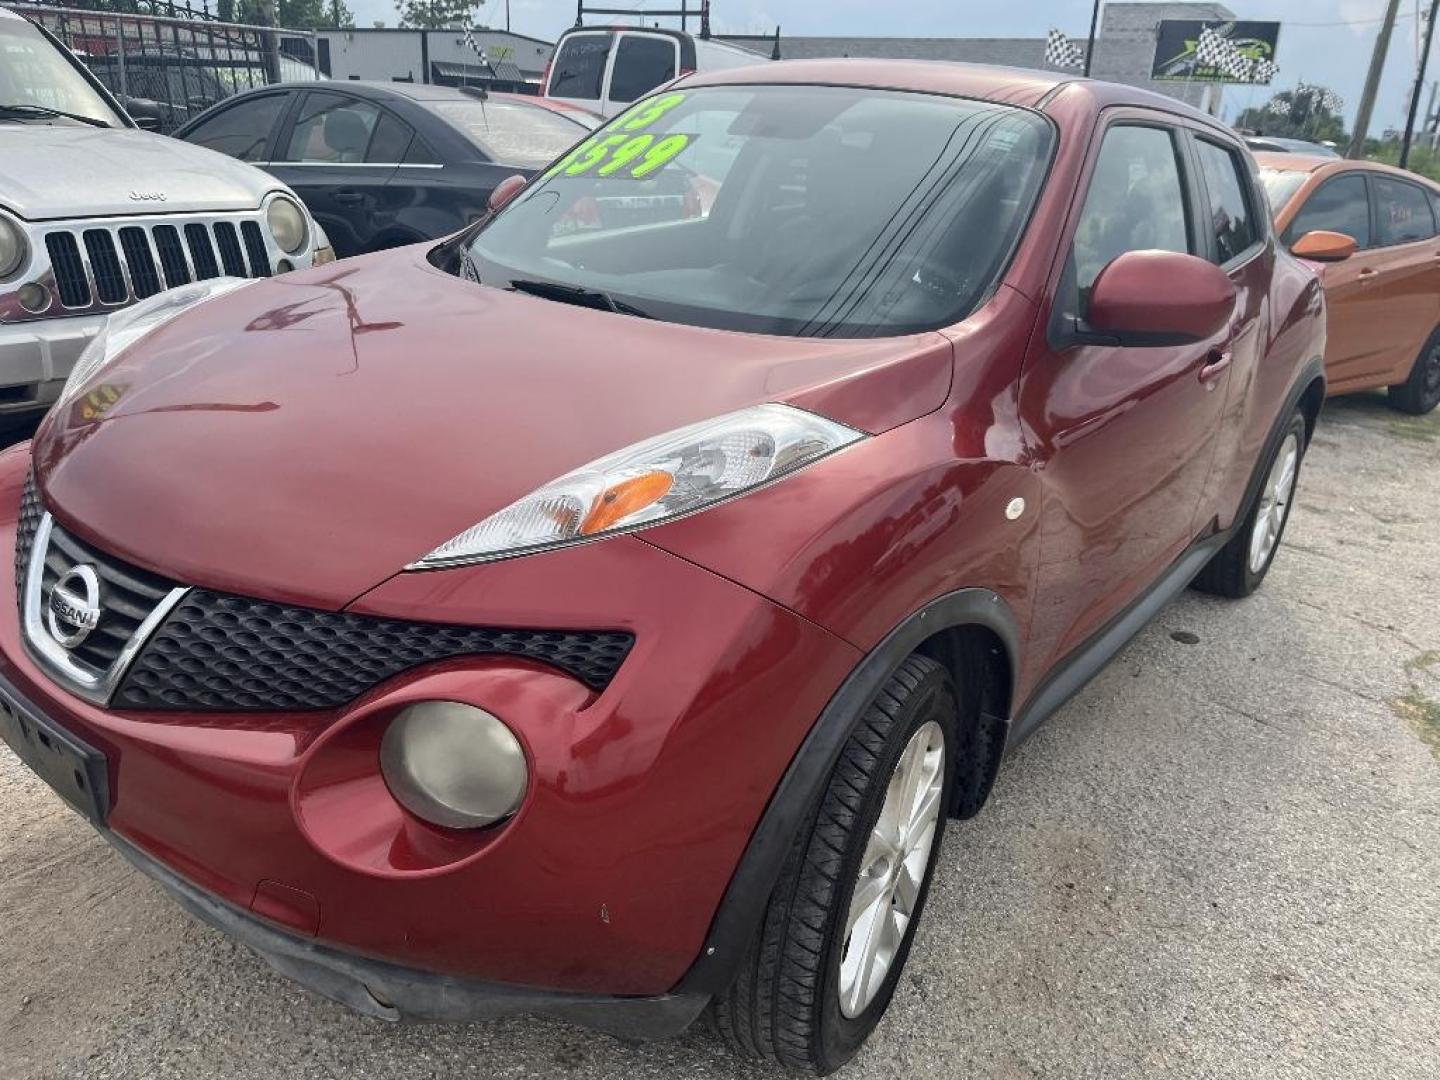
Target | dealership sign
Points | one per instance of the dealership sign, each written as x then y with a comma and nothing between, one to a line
1177,42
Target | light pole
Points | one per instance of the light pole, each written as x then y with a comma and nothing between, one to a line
1419,85
1090,49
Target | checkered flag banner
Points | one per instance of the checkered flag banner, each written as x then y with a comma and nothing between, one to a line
1210,50
1262,70
1332,101
1060,51
474,45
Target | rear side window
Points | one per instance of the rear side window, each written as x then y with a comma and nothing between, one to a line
642,62
333,129
242,130
389,142
1232,219
579,68
1136,201
1341,205
1403,214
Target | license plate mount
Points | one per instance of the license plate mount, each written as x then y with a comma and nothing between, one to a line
77,772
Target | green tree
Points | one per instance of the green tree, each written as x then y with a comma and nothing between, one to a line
1297,114
435,14
291,14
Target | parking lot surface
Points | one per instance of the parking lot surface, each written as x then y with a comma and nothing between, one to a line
1222,859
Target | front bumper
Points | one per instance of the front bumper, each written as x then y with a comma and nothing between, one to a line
36,358
605,885
391,992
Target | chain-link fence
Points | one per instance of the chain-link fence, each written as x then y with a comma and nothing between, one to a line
166,61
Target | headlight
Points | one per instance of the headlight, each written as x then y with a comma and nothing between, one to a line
13,247
287,224
453,765
664,477
127,326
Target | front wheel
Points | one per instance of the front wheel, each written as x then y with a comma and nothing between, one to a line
1241,565
838,927
1420,393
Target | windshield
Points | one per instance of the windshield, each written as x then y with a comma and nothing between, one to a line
799,210
511,133
33,73
1281,185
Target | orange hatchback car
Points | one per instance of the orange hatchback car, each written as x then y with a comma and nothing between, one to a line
1372,230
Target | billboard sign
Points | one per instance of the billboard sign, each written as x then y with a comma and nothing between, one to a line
1177,40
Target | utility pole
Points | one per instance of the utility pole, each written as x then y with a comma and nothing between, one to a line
1090,49
1372,82
270,41
1419,86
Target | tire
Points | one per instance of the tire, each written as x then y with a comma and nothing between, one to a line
1420,393
1240,566
786,1002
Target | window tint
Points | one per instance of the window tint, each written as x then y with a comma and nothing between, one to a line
389,142
1136,201
419,153
243,130
332,129
1402,212
1341,205
580,66
1232,221
641,64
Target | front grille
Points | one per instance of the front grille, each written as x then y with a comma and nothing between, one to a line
217,653
127,594
111,266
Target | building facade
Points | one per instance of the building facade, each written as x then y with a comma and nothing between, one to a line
427,56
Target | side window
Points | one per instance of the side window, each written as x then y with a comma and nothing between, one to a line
243,130
1136,201
332,129
642,62
1402,212
1232,218
389,142
579,66
1341,205
419,153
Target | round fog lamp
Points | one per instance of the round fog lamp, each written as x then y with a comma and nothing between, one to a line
34,297
287,224
453,765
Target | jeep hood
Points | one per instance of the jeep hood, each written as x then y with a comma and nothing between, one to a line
303,438
54,172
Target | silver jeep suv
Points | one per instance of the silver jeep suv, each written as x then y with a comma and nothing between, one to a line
96,214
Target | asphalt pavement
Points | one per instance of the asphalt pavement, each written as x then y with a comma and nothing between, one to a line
1222,859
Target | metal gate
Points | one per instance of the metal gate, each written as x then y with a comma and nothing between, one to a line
169,61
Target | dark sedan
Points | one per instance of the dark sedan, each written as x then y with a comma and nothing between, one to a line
385,164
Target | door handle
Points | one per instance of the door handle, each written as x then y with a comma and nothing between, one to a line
1368,275
348,196
1216,364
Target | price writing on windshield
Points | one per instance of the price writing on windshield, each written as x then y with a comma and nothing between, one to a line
627,151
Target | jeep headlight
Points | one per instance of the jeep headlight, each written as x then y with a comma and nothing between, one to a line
652,481
13,247
287,224
125,327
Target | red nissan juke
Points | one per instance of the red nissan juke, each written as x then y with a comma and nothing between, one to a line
602,615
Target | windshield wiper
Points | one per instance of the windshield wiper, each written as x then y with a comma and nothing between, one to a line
26,109
578,295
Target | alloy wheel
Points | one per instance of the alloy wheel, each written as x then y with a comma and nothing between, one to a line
892,870
1274,503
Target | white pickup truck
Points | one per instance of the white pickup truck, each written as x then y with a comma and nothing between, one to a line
96,214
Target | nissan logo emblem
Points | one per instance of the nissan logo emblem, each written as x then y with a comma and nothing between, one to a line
74,606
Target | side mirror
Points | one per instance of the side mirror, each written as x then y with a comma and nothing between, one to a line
1324,246
1157,298
506,190
146,123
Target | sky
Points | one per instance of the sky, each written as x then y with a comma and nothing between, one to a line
1321,41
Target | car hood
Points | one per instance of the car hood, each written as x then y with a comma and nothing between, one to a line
303,438
74,172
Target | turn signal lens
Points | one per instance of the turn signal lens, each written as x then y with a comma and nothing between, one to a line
652,481
625,498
